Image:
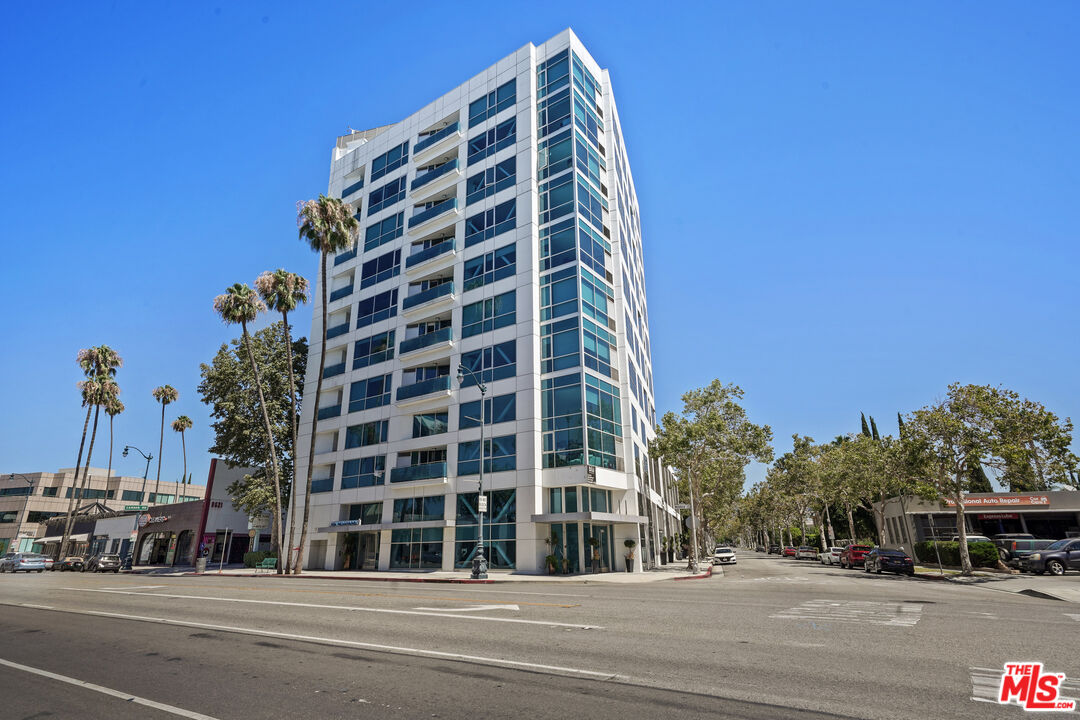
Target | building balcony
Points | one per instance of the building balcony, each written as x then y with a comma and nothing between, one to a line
441,294
420,391
428,341
426,471
439,212
341,292
330,412
418,261
440,140
446,174
331,370
350,189
337,330
345,257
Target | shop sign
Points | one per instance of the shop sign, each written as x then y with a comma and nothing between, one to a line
998,516
1001,501
136,508
143,520
338,523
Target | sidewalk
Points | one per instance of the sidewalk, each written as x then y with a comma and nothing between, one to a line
1023,584
675,571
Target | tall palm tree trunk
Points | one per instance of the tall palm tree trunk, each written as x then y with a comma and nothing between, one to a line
183,445
315,421
86,468
110,444
269,441
161,446
75,484
293,428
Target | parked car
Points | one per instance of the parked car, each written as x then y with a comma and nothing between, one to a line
971,539
831,556
759,548
72,562
49,562
102,563
1012,551
774,549
806,552
1056,558
880,559
26,562
789,551
723,555
853,556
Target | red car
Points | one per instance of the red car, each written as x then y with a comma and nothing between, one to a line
854,556
788,552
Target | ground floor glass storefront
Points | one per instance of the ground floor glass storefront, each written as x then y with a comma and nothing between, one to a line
570,542
500,529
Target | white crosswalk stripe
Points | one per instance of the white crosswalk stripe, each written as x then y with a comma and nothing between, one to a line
986,683
771,579
1074,616
892,614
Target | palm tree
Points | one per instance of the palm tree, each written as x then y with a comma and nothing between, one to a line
102,392
328,225
112,408
241,305
283,291
164,394
181,424
97,363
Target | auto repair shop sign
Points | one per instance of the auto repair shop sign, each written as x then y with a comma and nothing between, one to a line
1001,501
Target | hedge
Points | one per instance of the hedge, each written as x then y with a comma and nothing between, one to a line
251,559
982,554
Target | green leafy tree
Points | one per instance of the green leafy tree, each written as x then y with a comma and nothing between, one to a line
980,425
865,427
283,291
227,386
873,429
711,442
166,395
328,226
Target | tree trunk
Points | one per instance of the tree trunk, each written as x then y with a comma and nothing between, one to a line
828,525
183,477
315,424
86,468
161,446
821,533
961,530
292,452
269,440
74,487
850,522
110,444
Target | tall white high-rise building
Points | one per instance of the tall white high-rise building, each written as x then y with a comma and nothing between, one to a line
499,233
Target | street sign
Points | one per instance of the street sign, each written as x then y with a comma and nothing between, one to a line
137,508
682,506
690,522
252,533
481,504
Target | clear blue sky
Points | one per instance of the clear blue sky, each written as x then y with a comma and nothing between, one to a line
846,206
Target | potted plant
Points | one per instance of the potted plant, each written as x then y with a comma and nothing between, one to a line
629,545
595,545
663,549
551,564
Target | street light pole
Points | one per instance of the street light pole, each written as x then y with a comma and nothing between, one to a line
26,505
480,566
142,493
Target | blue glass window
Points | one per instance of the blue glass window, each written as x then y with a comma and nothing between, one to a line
590,205
488,182
501,408
364,472
553,113
486,315
563,437
390,160
595,250
589,162
555,155
370,433
599,348
604,423
416,548
553,73
558,293
491,363
387,195
596,298
490,267
433,423
556,198
500,455
499,529
381,268
376,308
488,143
374,349
560,346
557,244
371,393
385,231
493,103
489,223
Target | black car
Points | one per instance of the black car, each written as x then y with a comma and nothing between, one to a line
102,563
881,560
1056,558
774,549
72,562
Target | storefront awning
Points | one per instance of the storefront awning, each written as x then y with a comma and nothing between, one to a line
81,537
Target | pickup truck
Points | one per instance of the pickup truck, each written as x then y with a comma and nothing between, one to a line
1012,550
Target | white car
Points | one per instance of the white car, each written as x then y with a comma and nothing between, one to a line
724,555
831,556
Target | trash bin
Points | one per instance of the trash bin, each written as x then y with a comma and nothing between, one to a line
200,565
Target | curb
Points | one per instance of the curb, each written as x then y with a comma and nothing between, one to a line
702,576
308,576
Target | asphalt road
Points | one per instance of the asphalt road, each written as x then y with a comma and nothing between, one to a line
772,638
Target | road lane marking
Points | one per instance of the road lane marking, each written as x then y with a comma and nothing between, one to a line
39,607
1074,616
891,614
471,609
349,608
419,652
127,697
135,587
